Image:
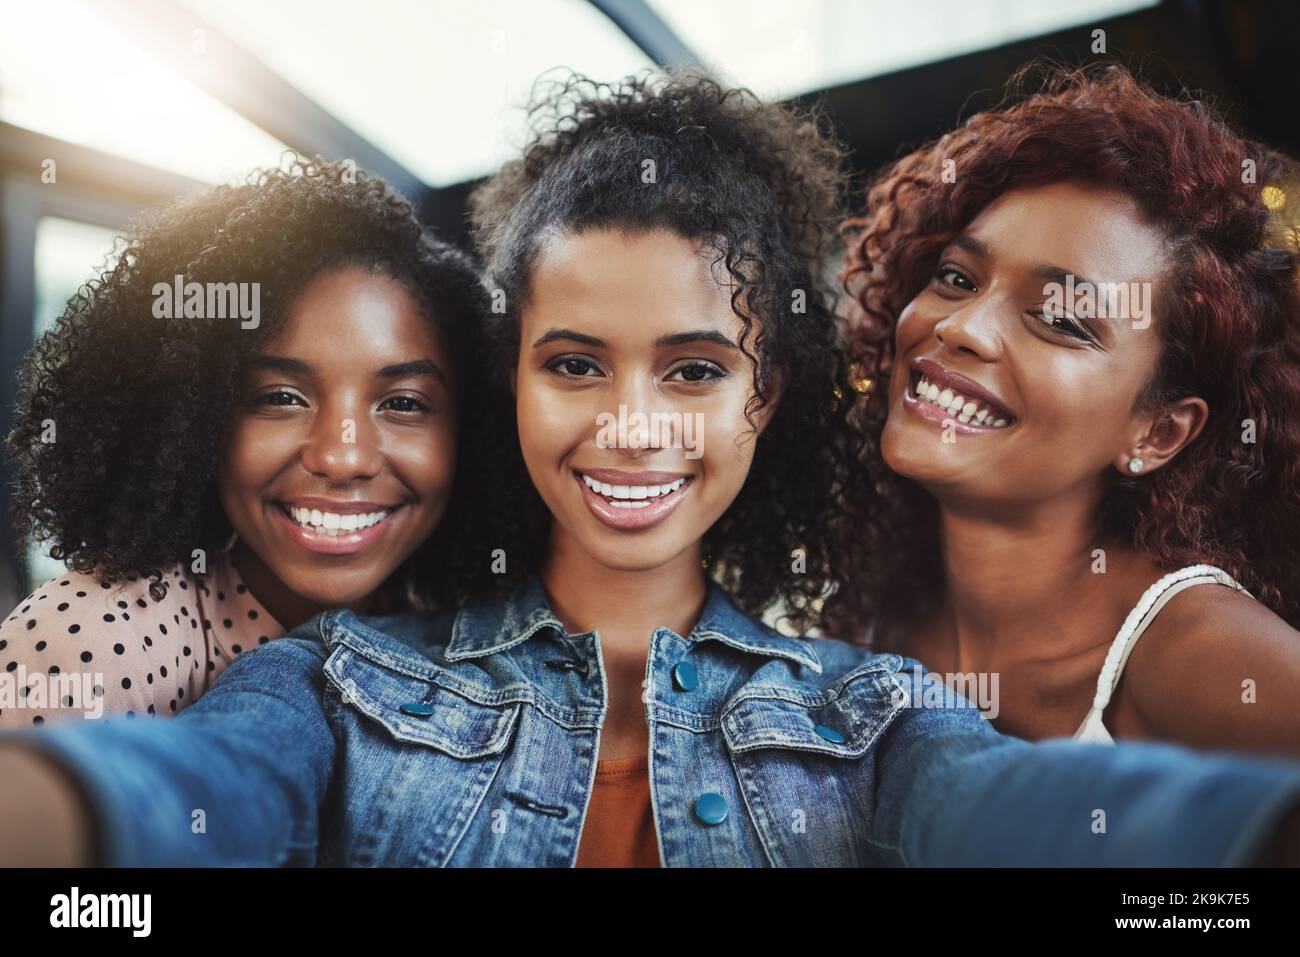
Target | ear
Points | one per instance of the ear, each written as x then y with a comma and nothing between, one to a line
1163,436
775,389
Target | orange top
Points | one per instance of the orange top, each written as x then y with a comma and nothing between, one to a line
620,826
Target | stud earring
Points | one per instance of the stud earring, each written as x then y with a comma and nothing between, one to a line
1135,465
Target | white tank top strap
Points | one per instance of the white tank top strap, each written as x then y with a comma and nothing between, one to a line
1143,613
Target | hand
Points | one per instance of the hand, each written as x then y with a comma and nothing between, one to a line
44,819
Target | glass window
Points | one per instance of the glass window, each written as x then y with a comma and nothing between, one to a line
68,253
68,72
780,49
436,86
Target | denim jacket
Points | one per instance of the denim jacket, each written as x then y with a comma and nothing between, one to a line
471,738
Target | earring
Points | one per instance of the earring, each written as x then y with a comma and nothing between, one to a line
1135,465
234,537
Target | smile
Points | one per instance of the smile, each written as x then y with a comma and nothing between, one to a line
334,523
948,399
328,532
627,506
631,496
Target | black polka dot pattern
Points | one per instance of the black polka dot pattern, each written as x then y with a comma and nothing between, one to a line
120,635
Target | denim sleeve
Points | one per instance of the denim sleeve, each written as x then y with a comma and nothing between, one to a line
236,779
953,792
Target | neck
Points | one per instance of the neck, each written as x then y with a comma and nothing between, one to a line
1024,584
285,605
624,606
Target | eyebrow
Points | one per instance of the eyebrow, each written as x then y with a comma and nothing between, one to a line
663,342
415,367
397,370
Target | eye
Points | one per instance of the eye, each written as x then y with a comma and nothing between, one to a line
404,403
697,371
951,277
1063,324
280,397
574,367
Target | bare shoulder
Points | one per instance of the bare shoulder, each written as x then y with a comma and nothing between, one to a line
1218,669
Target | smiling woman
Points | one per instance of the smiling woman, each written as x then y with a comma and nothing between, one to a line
274,468
1087,339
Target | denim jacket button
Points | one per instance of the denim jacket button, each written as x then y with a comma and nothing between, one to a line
685,677
830,734
416,709
711,808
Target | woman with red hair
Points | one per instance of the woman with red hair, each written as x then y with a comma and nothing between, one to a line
1079,320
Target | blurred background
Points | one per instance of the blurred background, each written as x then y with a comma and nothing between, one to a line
110,106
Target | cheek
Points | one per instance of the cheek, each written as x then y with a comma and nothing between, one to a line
254,455
426,462
914,323
551,423
728,443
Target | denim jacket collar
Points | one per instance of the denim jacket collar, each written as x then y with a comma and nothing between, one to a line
485,628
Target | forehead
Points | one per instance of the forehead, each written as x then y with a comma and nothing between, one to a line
353,315
623,285
1090,230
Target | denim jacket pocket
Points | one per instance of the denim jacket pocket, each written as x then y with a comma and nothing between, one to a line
421,709
803,765
842,722
422,750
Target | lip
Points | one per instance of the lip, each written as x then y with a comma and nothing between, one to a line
353,507
619,477
632,519
959,384
346,544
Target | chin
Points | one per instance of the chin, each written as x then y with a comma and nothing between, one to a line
629,554
331,594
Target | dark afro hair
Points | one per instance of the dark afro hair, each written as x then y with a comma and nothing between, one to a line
759,186
142,406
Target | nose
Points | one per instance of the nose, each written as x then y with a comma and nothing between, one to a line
648,427
342,446
973,329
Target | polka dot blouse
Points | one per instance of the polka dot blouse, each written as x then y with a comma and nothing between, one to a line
126,652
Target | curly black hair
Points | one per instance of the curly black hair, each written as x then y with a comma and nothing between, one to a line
759,185
142,406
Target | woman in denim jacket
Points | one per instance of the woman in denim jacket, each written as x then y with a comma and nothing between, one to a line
681,403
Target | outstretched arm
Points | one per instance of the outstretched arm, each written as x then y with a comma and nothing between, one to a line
954,792
237,779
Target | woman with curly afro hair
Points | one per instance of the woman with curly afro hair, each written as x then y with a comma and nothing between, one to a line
216,471
1081,312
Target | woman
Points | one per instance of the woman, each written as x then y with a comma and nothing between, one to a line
214,480
479,737
1082,313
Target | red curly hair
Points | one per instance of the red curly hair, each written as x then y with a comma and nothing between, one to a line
1231,336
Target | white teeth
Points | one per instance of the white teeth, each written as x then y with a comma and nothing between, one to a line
335,523
630,496
966,410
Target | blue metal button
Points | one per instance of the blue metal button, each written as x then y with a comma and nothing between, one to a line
685,677
416,709
830,734
711,808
